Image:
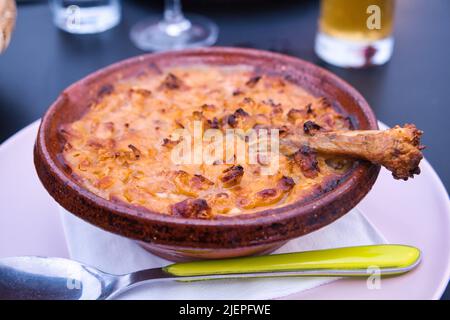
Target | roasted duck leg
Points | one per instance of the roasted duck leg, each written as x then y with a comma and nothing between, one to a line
397,149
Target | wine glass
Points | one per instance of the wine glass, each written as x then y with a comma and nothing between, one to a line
175,31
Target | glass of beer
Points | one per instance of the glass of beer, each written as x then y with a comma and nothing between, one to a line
355,33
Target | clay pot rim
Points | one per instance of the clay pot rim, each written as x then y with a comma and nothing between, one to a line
361,174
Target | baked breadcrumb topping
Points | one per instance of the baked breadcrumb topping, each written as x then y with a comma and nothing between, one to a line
121,148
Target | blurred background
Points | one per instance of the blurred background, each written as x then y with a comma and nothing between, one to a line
412,87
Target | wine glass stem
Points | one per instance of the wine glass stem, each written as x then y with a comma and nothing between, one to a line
172,11
174,21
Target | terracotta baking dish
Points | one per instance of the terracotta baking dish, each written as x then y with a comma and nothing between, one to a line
179,238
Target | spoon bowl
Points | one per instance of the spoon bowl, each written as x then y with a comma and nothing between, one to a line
39,278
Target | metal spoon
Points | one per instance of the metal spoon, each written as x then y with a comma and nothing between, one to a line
62,279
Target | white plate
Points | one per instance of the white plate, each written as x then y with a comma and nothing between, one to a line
416,212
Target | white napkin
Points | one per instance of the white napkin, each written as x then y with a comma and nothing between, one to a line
114,254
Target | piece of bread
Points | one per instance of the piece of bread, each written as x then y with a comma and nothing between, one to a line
7,22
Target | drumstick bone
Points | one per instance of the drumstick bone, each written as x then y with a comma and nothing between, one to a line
397,149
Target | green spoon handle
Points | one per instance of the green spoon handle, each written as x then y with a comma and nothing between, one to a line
349,261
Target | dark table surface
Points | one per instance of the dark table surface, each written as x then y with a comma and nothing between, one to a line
413,87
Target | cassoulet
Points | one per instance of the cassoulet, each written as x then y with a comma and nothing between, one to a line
122,147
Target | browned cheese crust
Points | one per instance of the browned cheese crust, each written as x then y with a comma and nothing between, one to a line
121,148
